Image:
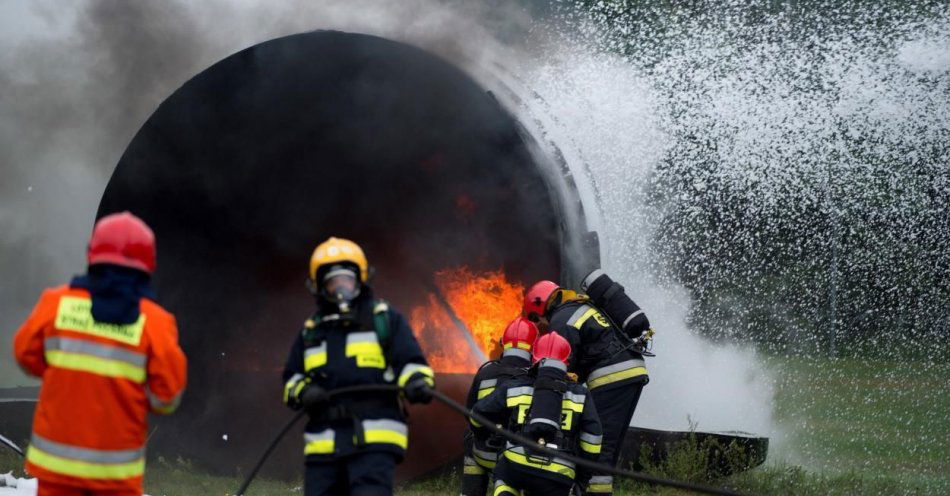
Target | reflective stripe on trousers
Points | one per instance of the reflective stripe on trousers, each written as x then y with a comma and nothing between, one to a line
84,462
503,489
471,467
484,458
600,484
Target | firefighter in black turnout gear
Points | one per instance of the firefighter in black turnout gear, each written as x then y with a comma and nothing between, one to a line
604,357
481,452
548,407
352,443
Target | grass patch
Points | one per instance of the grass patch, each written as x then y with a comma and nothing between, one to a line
874,419
178,477
11,462
443,485
787,479
691,461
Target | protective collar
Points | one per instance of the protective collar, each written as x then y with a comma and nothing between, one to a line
563,296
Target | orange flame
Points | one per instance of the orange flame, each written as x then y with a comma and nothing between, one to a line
485,303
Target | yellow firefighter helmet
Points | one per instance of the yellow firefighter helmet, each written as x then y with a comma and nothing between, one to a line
337,250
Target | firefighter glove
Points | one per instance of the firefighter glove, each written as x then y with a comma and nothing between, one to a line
314,398
418,389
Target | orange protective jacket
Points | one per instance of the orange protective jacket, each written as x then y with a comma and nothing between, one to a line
99,382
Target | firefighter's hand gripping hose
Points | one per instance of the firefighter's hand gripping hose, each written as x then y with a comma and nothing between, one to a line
515,438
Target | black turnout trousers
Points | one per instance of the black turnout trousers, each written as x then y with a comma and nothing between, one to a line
360,474
615,406
512,479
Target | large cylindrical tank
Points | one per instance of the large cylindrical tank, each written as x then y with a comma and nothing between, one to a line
253,162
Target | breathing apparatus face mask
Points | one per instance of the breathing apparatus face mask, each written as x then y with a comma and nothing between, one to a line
340,286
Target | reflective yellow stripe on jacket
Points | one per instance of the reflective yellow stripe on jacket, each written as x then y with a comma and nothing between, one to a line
556,465
364,347
580,316
573,402
315,356
293,387
163,407
319,443
95,358
486,387
74,313
87,463
386,431
521,395
617,372
411,369
591,443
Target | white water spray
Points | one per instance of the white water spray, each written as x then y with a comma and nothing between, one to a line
850,119
603,112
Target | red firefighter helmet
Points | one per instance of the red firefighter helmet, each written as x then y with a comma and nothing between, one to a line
122,239
553,346
520,333
536,299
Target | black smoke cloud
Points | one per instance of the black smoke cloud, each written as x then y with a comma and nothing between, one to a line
77,82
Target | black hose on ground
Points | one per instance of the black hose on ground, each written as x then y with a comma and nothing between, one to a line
10,444
515,438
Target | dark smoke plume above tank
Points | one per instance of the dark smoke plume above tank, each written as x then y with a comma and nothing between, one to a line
250,164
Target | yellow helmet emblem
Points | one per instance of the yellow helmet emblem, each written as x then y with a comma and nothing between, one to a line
336,250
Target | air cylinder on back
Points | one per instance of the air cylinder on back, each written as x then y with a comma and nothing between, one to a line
544,419
609,296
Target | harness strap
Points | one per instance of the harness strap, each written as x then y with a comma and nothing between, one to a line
510,371
542,383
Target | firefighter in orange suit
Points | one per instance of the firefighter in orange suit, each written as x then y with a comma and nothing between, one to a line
107,354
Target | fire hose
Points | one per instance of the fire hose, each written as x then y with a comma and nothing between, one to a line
511,436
